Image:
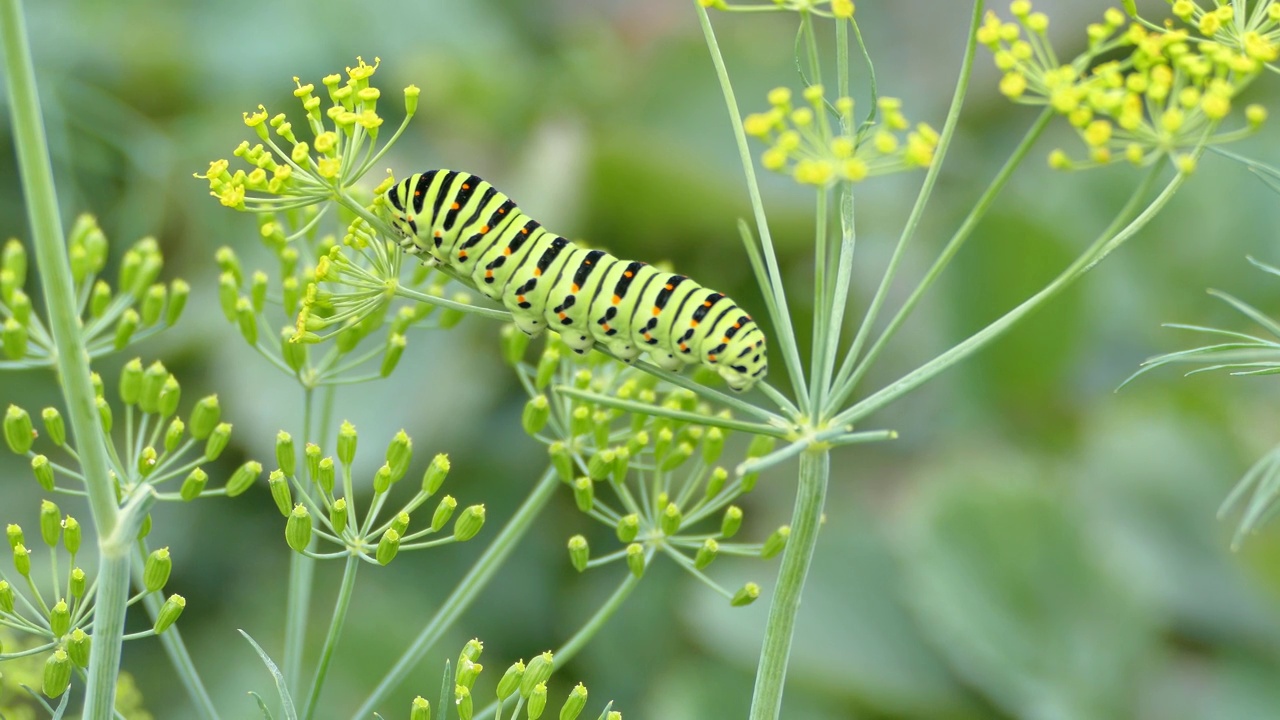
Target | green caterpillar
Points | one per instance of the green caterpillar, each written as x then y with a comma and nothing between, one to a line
587,296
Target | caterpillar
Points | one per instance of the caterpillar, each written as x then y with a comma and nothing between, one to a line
587,296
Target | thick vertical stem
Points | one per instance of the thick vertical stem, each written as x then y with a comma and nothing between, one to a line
335,631
815,469
72,360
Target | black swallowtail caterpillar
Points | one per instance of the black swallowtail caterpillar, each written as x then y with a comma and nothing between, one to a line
587,296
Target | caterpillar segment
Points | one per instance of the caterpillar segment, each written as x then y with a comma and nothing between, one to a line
587,296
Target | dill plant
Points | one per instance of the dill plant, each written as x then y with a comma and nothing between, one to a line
640,449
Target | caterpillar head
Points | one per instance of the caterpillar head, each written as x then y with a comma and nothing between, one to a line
746,365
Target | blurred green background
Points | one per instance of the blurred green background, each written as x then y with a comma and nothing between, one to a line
1035,545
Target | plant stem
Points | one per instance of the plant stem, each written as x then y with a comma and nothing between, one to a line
815,468
465,592
301,577
345,591
786,334
72,361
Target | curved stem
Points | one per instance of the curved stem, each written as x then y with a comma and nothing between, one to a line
465,592
345,591
815,468
72,363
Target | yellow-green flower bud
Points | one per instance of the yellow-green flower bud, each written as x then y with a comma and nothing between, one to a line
600,426
582,379
217,442
14,533
104,413
125,327
145,528
471,650
462,702
1256,114
600,465
54,425
78,647
20,307
193,485
152,383
443,512
395,348
536,414
325,475
153,304
537,701
14,259
436,472
510,681
469,523
71,534
635,559
294,353
400,523
57,673
78,583
776,542
169,612
44,472
716,482
579,552
676,457
732,521
286,456
173,434
712,445
707,553
6,596
179,290
297,529
50,523
243,478
228,262
131,381
421,709
584,493
59,619
574,704
18,432
228,294
338,515
399,455
514,344
671,519
382,479
388,546
170,394
13,337
537,672
155,572
547,366
628,527
204,417
96,381
22,560
746,595
280,492
467,673
580,421
561,460
147,461
247,321
347,439
258,291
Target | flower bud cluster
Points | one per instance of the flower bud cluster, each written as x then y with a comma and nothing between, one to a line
325,507
159,447
59,616
838,9
820,143
652,475
1166,96
139,305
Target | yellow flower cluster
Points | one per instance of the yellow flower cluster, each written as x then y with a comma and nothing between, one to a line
1256,36
343,139
1166,97
841,9
804,141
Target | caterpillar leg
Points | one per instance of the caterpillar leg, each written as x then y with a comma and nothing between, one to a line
577,340
531,326
665,360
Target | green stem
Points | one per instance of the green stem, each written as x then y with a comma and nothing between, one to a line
302,571
465,592
174,646
345,591
953,246
815,468
917,211
1106,242
72,364
782,320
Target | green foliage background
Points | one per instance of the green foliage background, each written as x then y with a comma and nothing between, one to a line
1034,546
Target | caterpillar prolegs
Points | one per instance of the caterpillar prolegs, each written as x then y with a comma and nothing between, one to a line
587,296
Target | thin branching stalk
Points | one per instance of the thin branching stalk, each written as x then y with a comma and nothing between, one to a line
72,362
465,592
340,607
